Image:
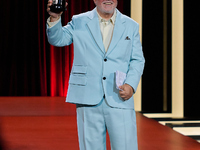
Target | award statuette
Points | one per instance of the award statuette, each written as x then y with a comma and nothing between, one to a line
58,6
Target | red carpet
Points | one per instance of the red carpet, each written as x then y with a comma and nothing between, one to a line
48,123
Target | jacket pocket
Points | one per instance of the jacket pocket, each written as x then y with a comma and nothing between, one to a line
78,75
77,80
79,70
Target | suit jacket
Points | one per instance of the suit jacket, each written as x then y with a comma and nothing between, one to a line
93,70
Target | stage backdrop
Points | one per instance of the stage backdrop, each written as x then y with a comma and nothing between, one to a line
29,66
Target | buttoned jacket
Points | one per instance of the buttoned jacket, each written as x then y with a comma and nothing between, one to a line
93,72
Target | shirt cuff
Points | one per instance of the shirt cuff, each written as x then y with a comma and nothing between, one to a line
51,24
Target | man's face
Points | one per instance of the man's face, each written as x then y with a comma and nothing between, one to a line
106,7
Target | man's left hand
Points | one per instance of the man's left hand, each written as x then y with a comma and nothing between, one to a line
126,91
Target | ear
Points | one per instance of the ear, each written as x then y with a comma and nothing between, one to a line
95,1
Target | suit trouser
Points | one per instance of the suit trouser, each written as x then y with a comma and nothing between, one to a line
93,121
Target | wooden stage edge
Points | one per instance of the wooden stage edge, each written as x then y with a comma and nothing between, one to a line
48,123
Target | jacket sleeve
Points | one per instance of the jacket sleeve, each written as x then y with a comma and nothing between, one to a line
60,36
137,61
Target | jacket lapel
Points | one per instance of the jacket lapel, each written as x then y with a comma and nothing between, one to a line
94,28
117,33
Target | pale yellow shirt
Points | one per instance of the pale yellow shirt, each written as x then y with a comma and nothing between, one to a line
107,27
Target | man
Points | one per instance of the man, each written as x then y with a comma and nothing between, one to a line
105,41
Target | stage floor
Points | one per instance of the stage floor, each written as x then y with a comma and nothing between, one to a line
48,123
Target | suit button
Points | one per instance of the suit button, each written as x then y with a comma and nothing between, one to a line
105,59
104,78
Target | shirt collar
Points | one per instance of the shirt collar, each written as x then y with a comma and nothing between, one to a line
112,19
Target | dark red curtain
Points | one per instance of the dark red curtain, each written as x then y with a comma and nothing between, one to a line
29,65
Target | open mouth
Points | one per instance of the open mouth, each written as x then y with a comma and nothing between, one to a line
108,3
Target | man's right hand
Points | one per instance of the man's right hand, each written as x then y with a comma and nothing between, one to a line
53,16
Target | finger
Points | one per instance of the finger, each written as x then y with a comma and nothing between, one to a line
121,88
49,3
121,92
48,6
124,98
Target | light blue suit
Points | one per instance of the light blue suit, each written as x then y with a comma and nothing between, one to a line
86,84
93,71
